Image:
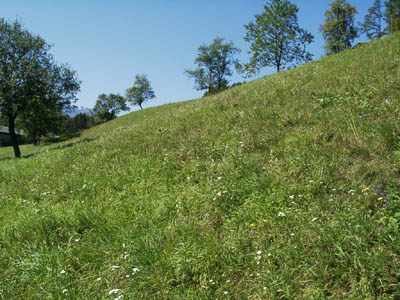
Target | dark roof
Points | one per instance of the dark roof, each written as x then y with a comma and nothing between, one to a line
4,129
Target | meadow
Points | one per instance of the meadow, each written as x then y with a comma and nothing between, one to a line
286,187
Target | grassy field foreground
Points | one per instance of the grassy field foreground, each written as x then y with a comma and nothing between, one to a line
287,187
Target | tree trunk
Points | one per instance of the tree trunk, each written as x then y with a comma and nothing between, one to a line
14,140
140,105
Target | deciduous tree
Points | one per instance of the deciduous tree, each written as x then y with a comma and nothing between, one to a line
108,106
214,63
140,92
372,25
29,75
276,38
339,30
392,15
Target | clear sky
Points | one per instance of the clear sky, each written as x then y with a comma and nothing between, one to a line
108,42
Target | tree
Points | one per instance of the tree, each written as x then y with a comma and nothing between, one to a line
108,106
372,25
392,15
40,120
29,75
140,92
276,38
338,29
214,65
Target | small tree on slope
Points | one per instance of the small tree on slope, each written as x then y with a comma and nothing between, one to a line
338,29
276,38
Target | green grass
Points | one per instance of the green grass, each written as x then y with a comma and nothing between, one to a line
286,187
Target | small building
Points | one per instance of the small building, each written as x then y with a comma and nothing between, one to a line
5,139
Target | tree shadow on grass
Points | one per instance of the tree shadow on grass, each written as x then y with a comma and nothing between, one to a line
51,149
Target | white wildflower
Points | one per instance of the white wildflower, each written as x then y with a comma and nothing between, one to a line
63,272
114,291
259,252
64,291
291,197
281,214
114,267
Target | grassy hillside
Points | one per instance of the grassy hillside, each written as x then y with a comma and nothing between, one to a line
287,187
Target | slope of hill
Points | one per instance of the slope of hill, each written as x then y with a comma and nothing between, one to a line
286,187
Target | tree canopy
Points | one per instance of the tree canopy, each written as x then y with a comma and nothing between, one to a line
140,92
214,63
276,38
392,15
108,106
29,77
372,25
339,30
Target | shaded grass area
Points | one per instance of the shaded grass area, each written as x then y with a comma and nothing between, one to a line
283,188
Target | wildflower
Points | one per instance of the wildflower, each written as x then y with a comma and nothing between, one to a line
203,286
114,267
114,291
77,240
265,220
225,293
314,219
291,197
228,281
281,214
219,178
269,254
252,225
259,252
98,279
219,194
63,272
366,189
380,198
64,291
135,270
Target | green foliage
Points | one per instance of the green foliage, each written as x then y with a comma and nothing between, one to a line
372,25
107,107
392,15
214,65
140,92
339,30
276,38
31,83
286,187
77,123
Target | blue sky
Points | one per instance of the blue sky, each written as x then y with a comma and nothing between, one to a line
108,42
